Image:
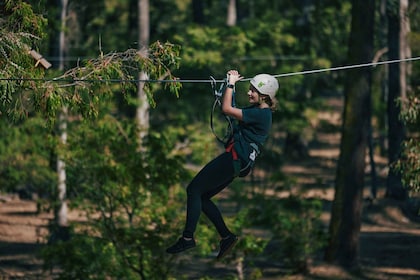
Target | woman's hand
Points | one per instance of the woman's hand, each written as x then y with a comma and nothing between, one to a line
233,77
227,108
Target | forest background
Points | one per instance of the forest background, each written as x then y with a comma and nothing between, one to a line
120,153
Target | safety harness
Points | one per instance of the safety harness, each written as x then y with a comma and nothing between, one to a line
228,140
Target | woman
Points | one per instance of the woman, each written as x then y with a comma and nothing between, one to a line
248,137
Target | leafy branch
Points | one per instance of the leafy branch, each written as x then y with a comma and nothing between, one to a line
82,87
24,89
409,162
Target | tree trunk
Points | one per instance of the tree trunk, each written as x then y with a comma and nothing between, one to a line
347,205
231,13
197,11
142,113
61,215
398,27
383,41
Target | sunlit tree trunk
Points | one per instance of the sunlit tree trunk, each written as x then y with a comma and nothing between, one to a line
61,217
143,107
231,13
398,27
345,221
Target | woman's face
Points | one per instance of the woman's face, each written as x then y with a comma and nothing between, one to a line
253,95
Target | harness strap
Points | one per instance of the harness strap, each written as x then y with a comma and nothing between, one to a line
236,161
231,149
255,147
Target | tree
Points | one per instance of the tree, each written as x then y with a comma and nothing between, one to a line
61,212
127,204
231,13
398,27
383,42
408,164
347,205
84,90
143,107
20,31
197,11
24,151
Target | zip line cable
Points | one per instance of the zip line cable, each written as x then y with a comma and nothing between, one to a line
346,67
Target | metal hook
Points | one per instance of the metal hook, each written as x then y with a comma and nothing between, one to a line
213,85
217,93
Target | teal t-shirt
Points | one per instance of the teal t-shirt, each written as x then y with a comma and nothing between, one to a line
254,128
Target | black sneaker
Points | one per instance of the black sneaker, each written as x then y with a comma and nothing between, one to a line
181,245
226,245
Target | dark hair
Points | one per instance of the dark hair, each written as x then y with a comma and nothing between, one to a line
272,103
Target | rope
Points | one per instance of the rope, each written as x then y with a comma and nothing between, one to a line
207,81
218,94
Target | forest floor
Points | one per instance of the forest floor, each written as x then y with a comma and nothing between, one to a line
389,238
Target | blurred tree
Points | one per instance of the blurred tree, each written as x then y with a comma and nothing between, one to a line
129,206
61,211
142,112
398,28
231,13
408,163
347,205
20,31
197,11
24,148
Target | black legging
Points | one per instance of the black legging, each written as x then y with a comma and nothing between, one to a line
212,179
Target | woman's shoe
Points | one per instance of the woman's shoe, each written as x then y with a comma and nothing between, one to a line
181,245
226,245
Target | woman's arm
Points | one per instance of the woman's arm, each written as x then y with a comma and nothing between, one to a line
227,107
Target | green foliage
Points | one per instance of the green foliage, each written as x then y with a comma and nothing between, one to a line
295,223
409,163
25,158
249,245
300,231
126,195
24,89
86,257
21,18
82,88
108,174
245,251
20,31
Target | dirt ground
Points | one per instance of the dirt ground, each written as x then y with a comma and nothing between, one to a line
389,239
389,244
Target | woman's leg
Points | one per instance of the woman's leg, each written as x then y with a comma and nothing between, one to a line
213,178
214,215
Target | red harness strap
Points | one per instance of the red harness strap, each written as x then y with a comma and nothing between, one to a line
231,149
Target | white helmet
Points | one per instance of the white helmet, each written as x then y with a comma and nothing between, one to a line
265,84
